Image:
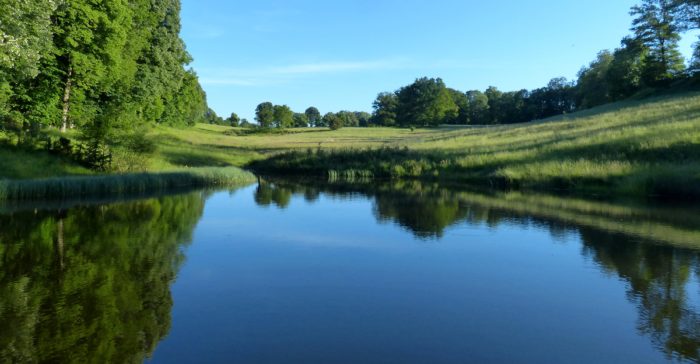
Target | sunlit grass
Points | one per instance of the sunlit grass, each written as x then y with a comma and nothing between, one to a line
121,184
650,146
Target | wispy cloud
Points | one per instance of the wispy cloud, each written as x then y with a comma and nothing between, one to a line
280,74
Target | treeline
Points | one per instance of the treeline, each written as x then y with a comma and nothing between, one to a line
648,59
269,116
105,68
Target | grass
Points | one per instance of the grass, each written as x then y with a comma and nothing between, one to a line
23,164
121,184
637,147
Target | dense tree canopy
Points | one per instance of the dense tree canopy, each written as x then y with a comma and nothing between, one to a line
105,68
313,115
426,102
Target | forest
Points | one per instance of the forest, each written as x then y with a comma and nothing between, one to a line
106,69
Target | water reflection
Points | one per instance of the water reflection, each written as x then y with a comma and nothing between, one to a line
658,278
624,239
91,284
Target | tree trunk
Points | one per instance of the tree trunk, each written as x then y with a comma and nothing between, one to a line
60,242
66,99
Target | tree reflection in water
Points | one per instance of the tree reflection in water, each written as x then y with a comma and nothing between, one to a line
619,237
91,284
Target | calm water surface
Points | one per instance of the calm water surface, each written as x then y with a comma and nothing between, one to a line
400,273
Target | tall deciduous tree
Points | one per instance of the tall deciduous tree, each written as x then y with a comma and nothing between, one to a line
233,120
426,102
313,115
265,114
283,116
385,109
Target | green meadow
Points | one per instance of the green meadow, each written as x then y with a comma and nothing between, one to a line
641,147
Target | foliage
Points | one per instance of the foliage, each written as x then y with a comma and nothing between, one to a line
655,26
313,116
233,120
265,114
77,287
104,69
385,109
426,102
283,116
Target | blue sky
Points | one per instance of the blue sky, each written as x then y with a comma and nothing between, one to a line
338,54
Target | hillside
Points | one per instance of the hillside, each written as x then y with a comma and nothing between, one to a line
637,147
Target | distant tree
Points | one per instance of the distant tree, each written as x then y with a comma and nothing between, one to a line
460,99
561,94
495,111
426,102
333,121
313,115
363,118
265,114
233,120
385,109
478,110
301,120
284,116
246,124
349,118
210,117
656,27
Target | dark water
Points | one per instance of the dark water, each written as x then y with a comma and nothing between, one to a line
364,273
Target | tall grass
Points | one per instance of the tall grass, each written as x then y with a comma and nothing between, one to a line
649,147
121,185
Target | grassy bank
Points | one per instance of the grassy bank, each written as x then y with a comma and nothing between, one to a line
639,148
642,147
121,184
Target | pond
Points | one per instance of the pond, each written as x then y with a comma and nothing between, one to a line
401,272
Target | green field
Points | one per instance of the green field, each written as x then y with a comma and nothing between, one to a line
637,147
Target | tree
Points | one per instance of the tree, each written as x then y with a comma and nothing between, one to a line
478,110
494,98
313,115
594,86
246,124
25,41
460,99
363,118
349,118
233,120
656,27
301,120
385,109
25,34
426,102
333,121
625,74
265,114
284,116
